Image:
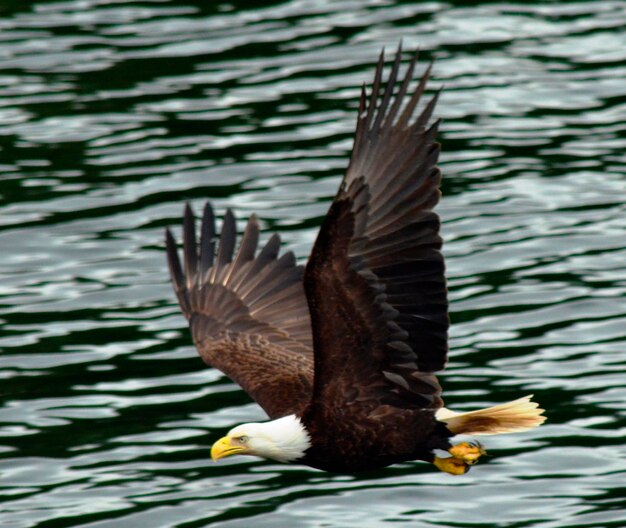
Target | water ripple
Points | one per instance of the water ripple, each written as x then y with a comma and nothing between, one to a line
113,113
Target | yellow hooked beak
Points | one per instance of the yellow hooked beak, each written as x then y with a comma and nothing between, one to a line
223,448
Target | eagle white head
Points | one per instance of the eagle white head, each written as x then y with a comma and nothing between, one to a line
284,440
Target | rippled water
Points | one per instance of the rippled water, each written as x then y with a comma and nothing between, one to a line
114,112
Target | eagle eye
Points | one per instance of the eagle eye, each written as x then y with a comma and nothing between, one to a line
243,439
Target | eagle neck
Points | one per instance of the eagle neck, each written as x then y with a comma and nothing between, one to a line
291,438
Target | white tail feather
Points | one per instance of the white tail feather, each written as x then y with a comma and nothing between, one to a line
511,417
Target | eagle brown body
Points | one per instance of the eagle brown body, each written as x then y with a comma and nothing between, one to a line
350,344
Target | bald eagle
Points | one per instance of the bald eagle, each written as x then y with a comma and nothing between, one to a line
342,354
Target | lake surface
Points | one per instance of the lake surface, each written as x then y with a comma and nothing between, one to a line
113,113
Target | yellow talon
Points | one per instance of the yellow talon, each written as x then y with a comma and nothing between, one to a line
467,452
454,466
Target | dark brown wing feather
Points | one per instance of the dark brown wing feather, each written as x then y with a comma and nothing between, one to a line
248,314
375,280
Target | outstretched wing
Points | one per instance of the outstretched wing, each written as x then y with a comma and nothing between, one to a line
248,314
375,280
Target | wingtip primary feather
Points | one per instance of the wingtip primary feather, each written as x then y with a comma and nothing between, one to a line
207,239
409,109
190,246
176,272
391,82
378,76
228,239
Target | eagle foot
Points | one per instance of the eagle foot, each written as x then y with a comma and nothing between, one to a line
468,452
451,465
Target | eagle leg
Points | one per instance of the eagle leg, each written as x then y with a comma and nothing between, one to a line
467,451
464,455
452,465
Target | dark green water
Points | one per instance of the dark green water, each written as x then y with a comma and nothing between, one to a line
114,112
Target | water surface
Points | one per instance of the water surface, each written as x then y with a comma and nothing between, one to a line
113,113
